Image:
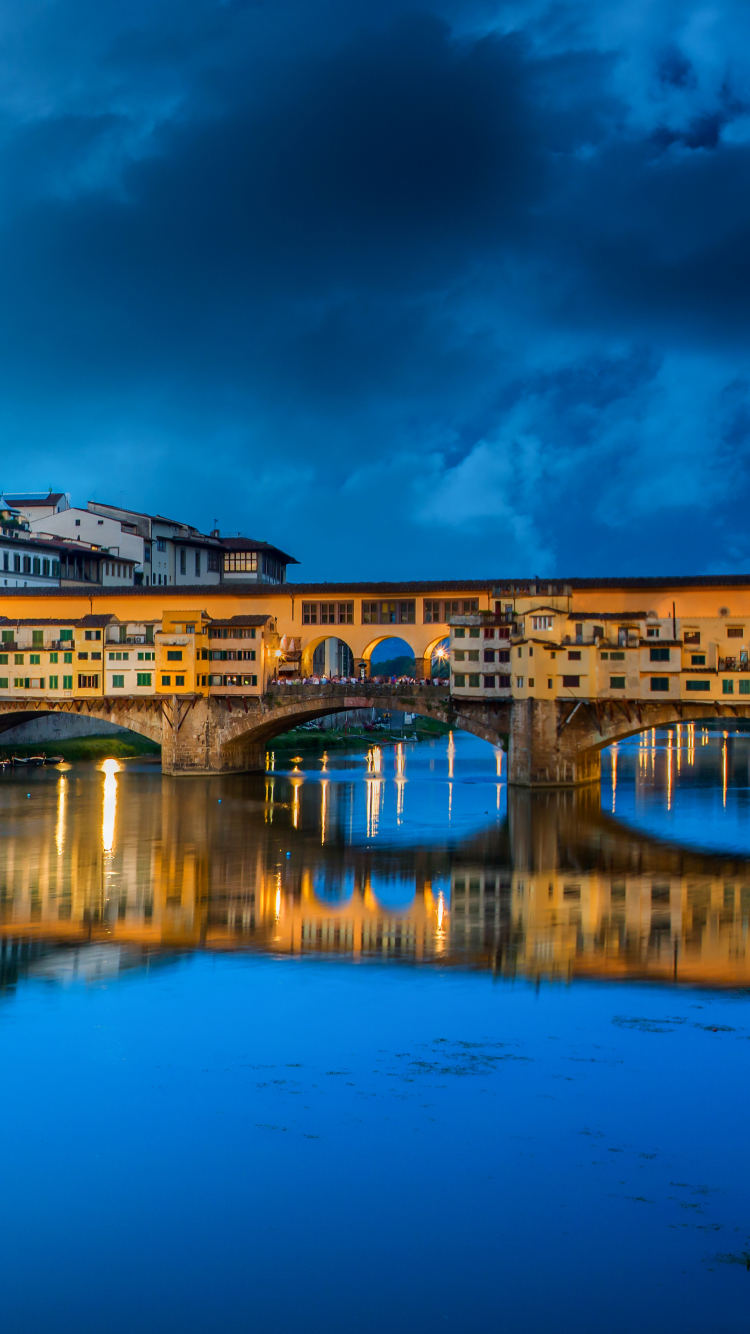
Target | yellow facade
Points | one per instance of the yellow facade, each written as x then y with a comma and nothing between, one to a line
579,642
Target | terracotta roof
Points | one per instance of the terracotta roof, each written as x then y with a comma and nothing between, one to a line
250,544
239,620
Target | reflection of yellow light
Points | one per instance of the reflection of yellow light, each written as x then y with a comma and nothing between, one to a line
400,758
440,910
62,788
400,785
499,762
375,760
373,806
278,903
451,753
450,801
724,769
679,747
296,785
109,769
325,761
323,810
669,770
614,777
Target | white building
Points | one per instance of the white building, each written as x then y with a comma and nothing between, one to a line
40,504
123,546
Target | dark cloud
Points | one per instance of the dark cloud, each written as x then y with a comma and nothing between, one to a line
408,290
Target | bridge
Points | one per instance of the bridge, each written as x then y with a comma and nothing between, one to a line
576,664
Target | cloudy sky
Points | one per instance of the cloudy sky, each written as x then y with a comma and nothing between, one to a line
413,290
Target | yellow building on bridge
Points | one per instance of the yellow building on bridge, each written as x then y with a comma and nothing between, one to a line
633,639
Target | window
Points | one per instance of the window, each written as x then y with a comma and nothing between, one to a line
604,656
541,622
166,680
3,683
183,561
474,682
692,636
198,563
18,659
432,612
309,613
727,687
489,683
161,544
53,657
27,564
574,655
473,655
459,655
327,613
190,629
489,655
18,682
598,632
459,679
697,659
388,613
503,655
37,638
35,659
652,631
519,682
8,636
346,613
145,657
66,634
531,681
82,655
67,657
698,685
174,655
660,683
67,683
88,682
459,632
4,659
143,678
241,562
92,634
118,682
213,564
735,632
549,683
503,682
745,687
474,634
658,655
617,682
96,656
179,680
53,683
571,682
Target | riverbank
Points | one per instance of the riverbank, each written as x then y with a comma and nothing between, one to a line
331,738
87,748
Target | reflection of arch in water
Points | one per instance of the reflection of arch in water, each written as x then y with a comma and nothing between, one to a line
333,885
392,890
145,719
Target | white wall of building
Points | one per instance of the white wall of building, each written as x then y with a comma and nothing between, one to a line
73,524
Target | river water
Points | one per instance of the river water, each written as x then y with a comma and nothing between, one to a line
368,1042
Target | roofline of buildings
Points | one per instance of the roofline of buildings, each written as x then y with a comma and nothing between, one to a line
491,586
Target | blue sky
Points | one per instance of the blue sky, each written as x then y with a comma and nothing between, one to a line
411,290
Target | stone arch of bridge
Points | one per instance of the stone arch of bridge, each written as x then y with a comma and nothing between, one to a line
146,720
242,732
559,743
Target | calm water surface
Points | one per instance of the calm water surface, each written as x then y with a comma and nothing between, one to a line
370,1043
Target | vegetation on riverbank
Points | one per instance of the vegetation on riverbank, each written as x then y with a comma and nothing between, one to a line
87,748
307,739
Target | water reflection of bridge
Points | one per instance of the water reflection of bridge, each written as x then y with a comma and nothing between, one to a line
556,890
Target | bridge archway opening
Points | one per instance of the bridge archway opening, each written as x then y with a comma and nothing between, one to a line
327,656
388,656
